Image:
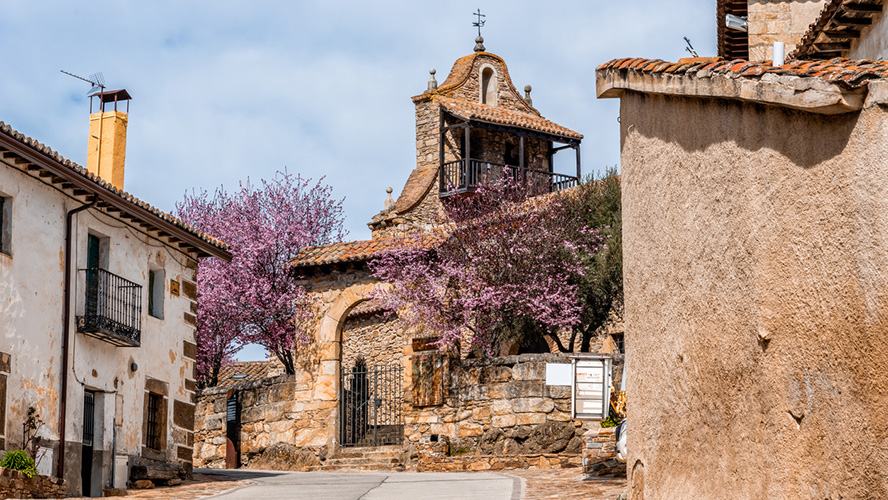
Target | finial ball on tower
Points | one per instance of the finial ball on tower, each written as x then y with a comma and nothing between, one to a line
433,84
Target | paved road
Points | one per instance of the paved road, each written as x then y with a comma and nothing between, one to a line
272,485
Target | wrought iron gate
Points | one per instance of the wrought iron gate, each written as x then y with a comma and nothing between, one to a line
371,406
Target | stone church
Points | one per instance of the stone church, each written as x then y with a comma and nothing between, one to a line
366,383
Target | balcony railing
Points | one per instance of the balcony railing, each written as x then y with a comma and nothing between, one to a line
457,177
109,308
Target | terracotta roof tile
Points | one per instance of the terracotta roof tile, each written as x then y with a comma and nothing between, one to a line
248,371
493,114
359,251
418,184
74,167
363,250
846,72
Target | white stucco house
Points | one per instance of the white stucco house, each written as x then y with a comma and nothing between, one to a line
97,312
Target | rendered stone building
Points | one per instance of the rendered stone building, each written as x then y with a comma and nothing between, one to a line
97,313
755,236
471,126
367,382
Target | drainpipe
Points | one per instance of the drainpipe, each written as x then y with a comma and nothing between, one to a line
66,330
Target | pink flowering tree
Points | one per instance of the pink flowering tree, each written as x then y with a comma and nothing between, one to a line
255,298
508,266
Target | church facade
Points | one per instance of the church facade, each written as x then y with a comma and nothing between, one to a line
366,381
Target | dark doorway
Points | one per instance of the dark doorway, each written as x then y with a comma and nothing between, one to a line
511,156
93,261
370,406
232,431
89,421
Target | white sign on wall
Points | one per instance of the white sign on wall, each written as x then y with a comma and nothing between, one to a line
591,387
559,373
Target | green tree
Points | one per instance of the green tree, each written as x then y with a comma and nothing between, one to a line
598,204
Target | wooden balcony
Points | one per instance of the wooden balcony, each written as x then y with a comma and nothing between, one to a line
464,176
109,308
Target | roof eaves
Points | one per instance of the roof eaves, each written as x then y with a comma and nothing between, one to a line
44,157
827,87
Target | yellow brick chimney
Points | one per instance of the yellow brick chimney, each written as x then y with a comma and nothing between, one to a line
106,153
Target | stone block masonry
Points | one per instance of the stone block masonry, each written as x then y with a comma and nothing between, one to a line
14,484
274,411
499,412
600,453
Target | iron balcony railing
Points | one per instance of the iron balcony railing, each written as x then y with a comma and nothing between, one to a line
460,176
109,308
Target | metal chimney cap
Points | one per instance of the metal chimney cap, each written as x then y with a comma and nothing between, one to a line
112,95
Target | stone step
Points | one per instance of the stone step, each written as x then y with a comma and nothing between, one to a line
362,461
360,452
344,467
371,449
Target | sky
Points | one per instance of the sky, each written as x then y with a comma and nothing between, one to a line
225,90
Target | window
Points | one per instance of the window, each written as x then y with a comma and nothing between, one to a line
155,293
619,342
488,86
153,431
5,224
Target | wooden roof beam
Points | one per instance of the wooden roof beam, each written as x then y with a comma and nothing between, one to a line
832,47
852,21
841,34
862,7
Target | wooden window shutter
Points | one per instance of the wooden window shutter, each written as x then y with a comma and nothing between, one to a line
428,380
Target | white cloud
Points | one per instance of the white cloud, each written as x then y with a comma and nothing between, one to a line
226,89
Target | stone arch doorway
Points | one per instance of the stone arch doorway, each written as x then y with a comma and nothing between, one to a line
371,393
378,389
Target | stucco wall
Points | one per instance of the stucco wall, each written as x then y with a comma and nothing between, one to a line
756,299
873,41
31,297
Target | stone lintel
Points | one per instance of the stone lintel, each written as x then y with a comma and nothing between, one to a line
810,94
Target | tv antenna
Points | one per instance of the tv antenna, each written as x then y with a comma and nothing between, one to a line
690,48
97,80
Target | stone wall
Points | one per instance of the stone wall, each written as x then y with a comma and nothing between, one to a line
374,337
14,484
274,411
495,406
600,453
778,21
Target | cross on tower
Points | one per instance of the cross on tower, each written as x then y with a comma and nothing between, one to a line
479,22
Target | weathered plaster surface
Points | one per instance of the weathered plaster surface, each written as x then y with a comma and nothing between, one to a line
873,41
756,299
807,94
31,297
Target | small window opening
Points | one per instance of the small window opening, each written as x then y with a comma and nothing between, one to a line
155,293
154,405
619,342
5,224
488,87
